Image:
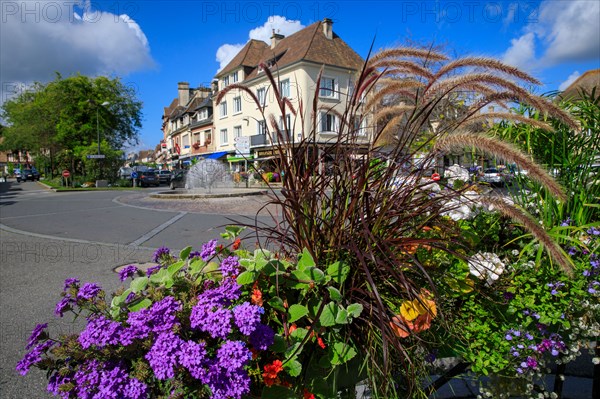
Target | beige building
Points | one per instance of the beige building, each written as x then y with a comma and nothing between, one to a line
242,128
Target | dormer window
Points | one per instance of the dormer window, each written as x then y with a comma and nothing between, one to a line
234,77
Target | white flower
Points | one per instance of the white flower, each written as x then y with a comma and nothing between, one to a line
486,266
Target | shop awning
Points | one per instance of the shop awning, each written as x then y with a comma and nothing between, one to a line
265,158
216,155
239,159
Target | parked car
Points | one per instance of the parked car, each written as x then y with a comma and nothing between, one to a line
147,178
125,172
28,174
178,179
164,176
494,176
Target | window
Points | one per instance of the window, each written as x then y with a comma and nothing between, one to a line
223,109
203,114
261,94
225,82
186,141
360,125
288,122
207,137
284,88
261,127
329,88
224,138
234,77
237,131
329,123
196,138
237,105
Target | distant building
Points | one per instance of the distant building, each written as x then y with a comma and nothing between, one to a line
187,126
585,83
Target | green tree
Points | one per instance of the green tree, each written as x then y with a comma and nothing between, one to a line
52,120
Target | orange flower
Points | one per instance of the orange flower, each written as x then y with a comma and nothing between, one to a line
401,326
256,297
236,243
271,371
321,343
292,328
307,395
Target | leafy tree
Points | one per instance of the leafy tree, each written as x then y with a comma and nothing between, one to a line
52,120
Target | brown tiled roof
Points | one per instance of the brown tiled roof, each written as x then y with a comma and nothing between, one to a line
308,44
249,56
585,82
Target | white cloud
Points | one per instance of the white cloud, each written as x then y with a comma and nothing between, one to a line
563,31
570,30
572,77
280,24
521,52
63,37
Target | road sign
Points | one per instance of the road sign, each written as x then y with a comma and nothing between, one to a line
134,175
242,144
96,156
66,173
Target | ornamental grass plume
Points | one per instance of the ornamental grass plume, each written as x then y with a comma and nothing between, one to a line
360,196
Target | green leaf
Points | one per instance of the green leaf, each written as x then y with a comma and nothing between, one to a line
120,299
305,260
338,271
315,274
196,266
340,353
334,294
259,264
293,368
160,276
276,303
328,315
296,312
175,267
299,334
300,280
185,252
262,254
355,309
139,284
279,345
341,317
278,392
143,304
246,278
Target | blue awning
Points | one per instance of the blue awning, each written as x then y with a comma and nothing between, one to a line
216,155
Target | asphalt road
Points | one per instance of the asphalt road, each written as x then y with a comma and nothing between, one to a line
46,237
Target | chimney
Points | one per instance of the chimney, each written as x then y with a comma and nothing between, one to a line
327,28
275,39
183,89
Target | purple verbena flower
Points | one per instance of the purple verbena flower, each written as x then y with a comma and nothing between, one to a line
127,272
37,332
88,291
33,357
230,266
247,317
54,383
163,355
262,337
152,269
214,320
194,254
233,355
100,332
63,305
531,362
161,254
209,250
70,282
160,317
193,357
130,297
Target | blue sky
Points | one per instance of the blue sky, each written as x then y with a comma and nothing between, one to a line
154,44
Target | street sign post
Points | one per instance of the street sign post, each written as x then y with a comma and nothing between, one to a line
242,145
96,156
134,176
65,174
